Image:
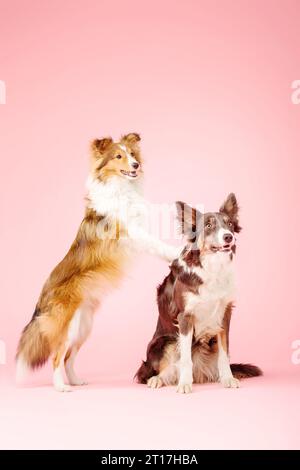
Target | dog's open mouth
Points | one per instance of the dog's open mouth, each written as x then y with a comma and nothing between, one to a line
222,249
130,174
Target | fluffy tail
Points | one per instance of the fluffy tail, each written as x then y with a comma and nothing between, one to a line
242,371
145,372
33,349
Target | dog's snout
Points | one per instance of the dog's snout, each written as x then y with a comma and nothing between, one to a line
135,165
227,237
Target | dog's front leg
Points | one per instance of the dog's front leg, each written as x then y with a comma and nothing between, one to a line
225,375
186,329
144,241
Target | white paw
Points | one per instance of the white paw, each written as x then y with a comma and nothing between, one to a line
184,388
63,388
155,382
78,382
173,253
230,382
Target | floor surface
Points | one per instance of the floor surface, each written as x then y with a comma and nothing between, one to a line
118,414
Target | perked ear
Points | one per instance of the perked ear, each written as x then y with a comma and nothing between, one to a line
231,208
101,145
188,219
132,138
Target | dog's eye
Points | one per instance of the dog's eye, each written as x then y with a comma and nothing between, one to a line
119,157
208,225
132,154
230,224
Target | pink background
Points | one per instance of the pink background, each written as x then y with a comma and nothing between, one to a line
208,86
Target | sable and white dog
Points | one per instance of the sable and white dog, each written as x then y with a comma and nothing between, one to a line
113,226
191,341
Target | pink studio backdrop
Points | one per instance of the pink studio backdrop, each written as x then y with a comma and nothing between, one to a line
208,86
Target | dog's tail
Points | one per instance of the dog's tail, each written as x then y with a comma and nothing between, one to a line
243,371
33,348
144,373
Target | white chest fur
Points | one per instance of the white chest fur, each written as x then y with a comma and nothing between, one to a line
121,200
117,198
215,293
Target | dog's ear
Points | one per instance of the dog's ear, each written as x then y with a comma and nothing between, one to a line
189,219
99,146
230,207
132,138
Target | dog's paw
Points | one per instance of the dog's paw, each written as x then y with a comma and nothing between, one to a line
230,382
78,382
184,388
63,388
173,252
155,382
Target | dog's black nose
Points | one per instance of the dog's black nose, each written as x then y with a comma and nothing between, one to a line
227,237
135,165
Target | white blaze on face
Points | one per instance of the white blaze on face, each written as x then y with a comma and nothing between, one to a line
130,159
221,233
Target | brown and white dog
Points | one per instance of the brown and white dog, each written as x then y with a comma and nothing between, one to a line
191,341
113,226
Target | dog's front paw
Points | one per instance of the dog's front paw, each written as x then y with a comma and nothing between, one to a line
155,382
173,253
63,388
230,382
184,388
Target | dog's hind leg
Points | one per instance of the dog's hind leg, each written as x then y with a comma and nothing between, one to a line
58,361
155,382
69,366
168,369
168,376
78,331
